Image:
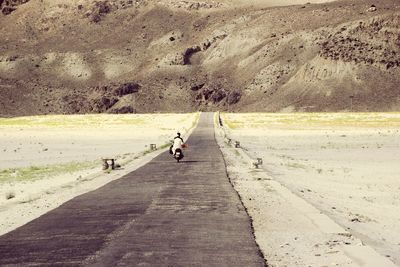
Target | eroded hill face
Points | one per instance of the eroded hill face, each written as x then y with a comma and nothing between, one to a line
81,56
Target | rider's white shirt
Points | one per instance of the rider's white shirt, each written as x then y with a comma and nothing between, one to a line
177,144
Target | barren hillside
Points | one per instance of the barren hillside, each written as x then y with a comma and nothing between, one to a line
85,56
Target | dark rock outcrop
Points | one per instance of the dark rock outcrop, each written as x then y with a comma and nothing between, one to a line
9,6
127,88
189,52
197,87
233,97
123,110
376,42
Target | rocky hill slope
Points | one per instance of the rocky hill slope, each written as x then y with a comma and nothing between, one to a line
80,56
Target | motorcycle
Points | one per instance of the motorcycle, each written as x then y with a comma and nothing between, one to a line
178,153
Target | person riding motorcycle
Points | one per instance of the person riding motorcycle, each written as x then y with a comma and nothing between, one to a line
178,142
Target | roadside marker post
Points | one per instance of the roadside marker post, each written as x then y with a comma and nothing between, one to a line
106,165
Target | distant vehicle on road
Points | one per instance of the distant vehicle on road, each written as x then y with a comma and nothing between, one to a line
177,147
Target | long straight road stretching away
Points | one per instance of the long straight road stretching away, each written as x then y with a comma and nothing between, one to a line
163,214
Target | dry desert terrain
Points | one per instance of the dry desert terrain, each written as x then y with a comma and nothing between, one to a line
344,165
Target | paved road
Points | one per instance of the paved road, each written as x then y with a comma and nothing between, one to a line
162,214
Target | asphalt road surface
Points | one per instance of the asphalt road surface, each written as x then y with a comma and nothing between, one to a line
163,214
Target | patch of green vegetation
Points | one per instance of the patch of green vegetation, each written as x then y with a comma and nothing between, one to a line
189,116
296,165
165,145
99,120
195,120
146,152
88,120
285,157
302,120
74,120
39,172
14,122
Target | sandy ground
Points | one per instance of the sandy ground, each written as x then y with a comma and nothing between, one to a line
35,141
36,144
325,196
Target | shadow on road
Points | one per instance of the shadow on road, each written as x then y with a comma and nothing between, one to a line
191,161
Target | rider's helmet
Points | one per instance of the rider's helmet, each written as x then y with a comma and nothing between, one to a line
179,134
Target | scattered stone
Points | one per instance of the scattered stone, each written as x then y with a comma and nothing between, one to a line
284,245
8,10
10,195
9,6
99,10
345,234
373,8
12,58
197,87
